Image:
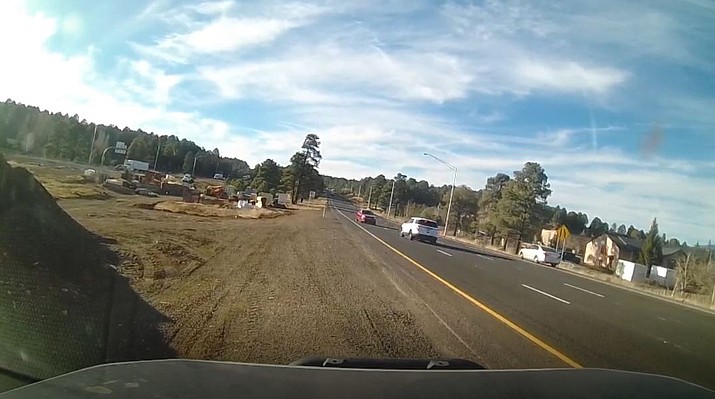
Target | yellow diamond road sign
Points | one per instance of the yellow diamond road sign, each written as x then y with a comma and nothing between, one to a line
563,233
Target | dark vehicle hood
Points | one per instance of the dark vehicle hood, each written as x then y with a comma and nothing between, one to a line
179,379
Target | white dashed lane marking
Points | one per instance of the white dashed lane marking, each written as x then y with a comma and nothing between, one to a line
584,290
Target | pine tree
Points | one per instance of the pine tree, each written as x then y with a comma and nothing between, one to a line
652,251
287,184
516,211
309,158
268,177
622,229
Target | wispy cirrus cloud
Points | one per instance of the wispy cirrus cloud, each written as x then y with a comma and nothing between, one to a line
487,85
318,73
213,28
568,76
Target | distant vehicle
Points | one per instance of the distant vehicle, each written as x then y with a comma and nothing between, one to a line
571,257
420,229
218,176
540,254
131,164
365,216
187,179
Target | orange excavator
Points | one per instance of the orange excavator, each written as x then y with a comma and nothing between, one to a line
216,191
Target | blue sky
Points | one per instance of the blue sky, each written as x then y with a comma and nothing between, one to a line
615,100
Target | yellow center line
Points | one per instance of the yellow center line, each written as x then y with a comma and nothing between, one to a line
543,345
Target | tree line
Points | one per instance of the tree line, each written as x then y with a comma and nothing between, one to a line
298,178
31,131
508,206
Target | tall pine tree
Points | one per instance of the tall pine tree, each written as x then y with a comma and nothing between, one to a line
652,251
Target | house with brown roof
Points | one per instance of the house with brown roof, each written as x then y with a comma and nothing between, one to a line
607,249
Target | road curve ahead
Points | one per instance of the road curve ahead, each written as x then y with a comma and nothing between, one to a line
565,320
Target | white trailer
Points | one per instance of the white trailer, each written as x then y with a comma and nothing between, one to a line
282,198
133,165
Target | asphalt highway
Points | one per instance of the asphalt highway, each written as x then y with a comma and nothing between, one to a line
538,316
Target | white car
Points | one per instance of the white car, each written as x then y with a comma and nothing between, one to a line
540,254
420,229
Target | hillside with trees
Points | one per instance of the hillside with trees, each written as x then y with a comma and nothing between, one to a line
513,206
28,130
508,205
32,131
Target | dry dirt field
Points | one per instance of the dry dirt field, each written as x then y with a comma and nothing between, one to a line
256,287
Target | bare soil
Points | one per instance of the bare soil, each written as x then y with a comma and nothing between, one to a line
218,211
62,179
266,286
256,290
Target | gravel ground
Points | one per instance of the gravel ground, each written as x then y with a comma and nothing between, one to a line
251,290
287,290
265,291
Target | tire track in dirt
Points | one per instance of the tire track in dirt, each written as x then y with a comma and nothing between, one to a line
276,290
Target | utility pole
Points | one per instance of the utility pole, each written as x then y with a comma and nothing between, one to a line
91,145
392,192
158,146
369,197
708,266
359,190
449,206
451,193
193,168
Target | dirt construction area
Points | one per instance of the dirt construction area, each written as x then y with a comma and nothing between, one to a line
263,290
252,288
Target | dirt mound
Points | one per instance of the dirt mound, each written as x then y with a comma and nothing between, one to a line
144,205
56,286
217,211
72,187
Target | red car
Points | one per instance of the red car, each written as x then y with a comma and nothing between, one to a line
365,216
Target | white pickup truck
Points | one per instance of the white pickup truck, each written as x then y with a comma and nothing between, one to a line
420,229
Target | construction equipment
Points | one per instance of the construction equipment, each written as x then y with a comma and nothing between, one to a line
216,191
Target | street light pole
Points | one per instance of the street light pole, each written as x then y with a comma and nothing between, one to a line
451,193
91,145
158,147
392,192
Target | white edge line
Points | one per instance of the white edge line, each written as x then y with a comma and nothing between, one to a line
445,253
353,222
546,293
484,257
444,323
521,331
584,290
425,303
